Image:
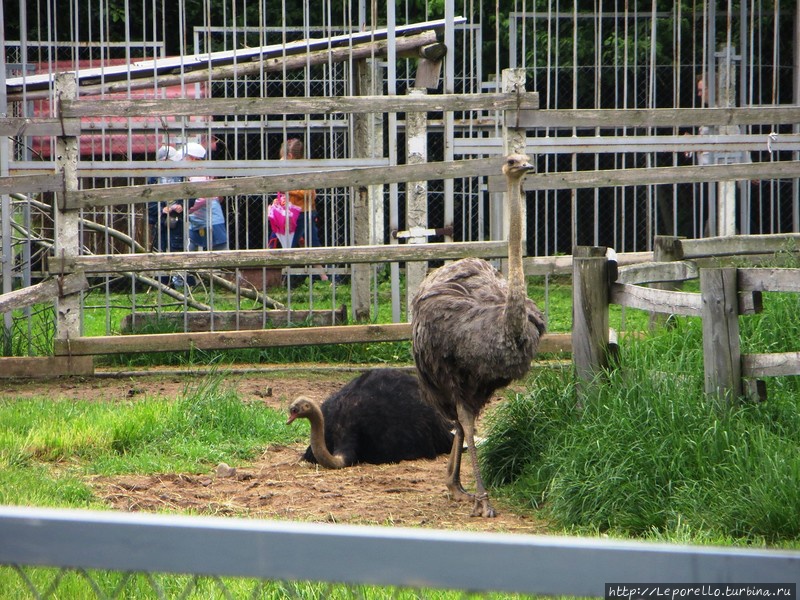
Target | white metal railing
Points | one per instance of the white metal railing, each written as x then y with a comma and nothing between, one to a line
416,558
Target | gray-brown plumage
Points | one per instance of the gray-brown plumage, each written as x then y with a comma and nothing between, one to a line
473,333
378,417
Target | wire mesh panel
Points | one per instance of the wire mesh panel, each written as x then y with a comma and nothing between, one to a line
642,55
655,55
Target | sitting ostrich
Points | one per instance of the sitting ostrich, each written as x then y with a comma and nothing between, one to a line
377,418
474,332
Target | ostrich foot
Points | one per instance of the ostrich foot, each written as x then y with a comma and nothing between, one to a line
458,493
482,508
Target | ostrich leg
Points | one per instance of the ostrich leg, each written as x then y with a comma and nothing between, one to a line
454,486
481,508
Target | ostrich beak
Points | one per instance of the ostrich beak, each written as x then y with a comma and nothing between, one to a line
292,417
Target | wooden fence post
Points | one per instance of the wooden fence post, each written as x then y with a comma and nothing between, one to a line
514,141
722,357
367,200
416,195
666,248
67,222
590,291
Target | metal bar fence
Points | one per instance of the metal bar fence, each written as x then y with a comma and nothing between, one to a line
407,558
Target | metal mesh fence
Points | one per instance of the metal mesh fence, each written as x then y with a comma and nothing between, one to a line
42,582
600,59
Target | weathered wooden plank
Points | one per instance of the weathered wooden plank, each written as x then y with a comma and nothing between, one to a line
213,168
231,320
45,126
276,183
745,260
307,105
653,272
46,291
721,346
45,367
776,364
32,184
655,300
741,244
222,340
261,338
153,261
428,73
632,141
754,390
555,343
673,302
660,117
666,249
770,280
751,303
562,265
653,176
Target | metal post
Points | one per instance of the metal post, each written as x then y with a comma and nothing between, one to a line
726,90
6,258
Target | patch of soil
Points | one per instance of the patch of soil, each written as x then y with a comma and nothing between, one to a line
279,485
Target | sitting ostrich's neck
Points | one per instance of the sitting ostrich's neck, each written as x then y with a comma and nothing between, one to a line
318,447
517,294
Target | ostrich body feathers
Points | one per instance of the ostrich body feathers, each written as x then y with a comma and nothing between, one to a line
380,417
461,346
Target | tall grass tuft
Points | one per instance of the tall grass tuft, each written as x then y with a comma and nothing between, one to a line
47,447
648,452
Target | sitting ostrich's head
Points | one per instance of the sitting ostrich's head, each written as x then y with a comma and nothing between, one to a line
301,408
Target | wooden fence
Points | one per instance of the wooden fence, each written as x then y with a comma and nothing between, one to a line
517,107
726,292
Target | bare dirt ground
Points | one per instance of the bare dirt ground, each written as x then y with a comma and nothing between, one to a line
278,484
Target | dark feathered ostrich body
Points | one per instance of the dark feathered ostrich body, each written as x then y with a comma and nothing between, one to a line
377,418
473,333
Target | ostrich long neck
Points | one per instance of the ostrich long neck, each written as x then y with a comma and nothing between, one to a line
515,303
318,446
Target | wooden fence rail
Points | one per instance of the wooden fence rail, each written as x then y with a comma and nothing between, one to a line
520,112
726,292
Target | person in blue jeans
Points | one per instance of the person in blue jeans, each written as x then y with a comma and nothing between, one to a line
166,218
207,228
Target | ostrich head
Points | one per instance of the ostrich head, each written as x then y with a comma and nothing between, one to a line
516,166
301,408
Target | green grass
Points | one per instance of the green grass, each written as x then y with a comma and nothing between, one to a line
82,584
48,447
35,336
646,454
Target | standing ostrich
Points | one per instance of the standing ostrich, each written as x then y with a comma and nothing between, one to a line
474,332
377,418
